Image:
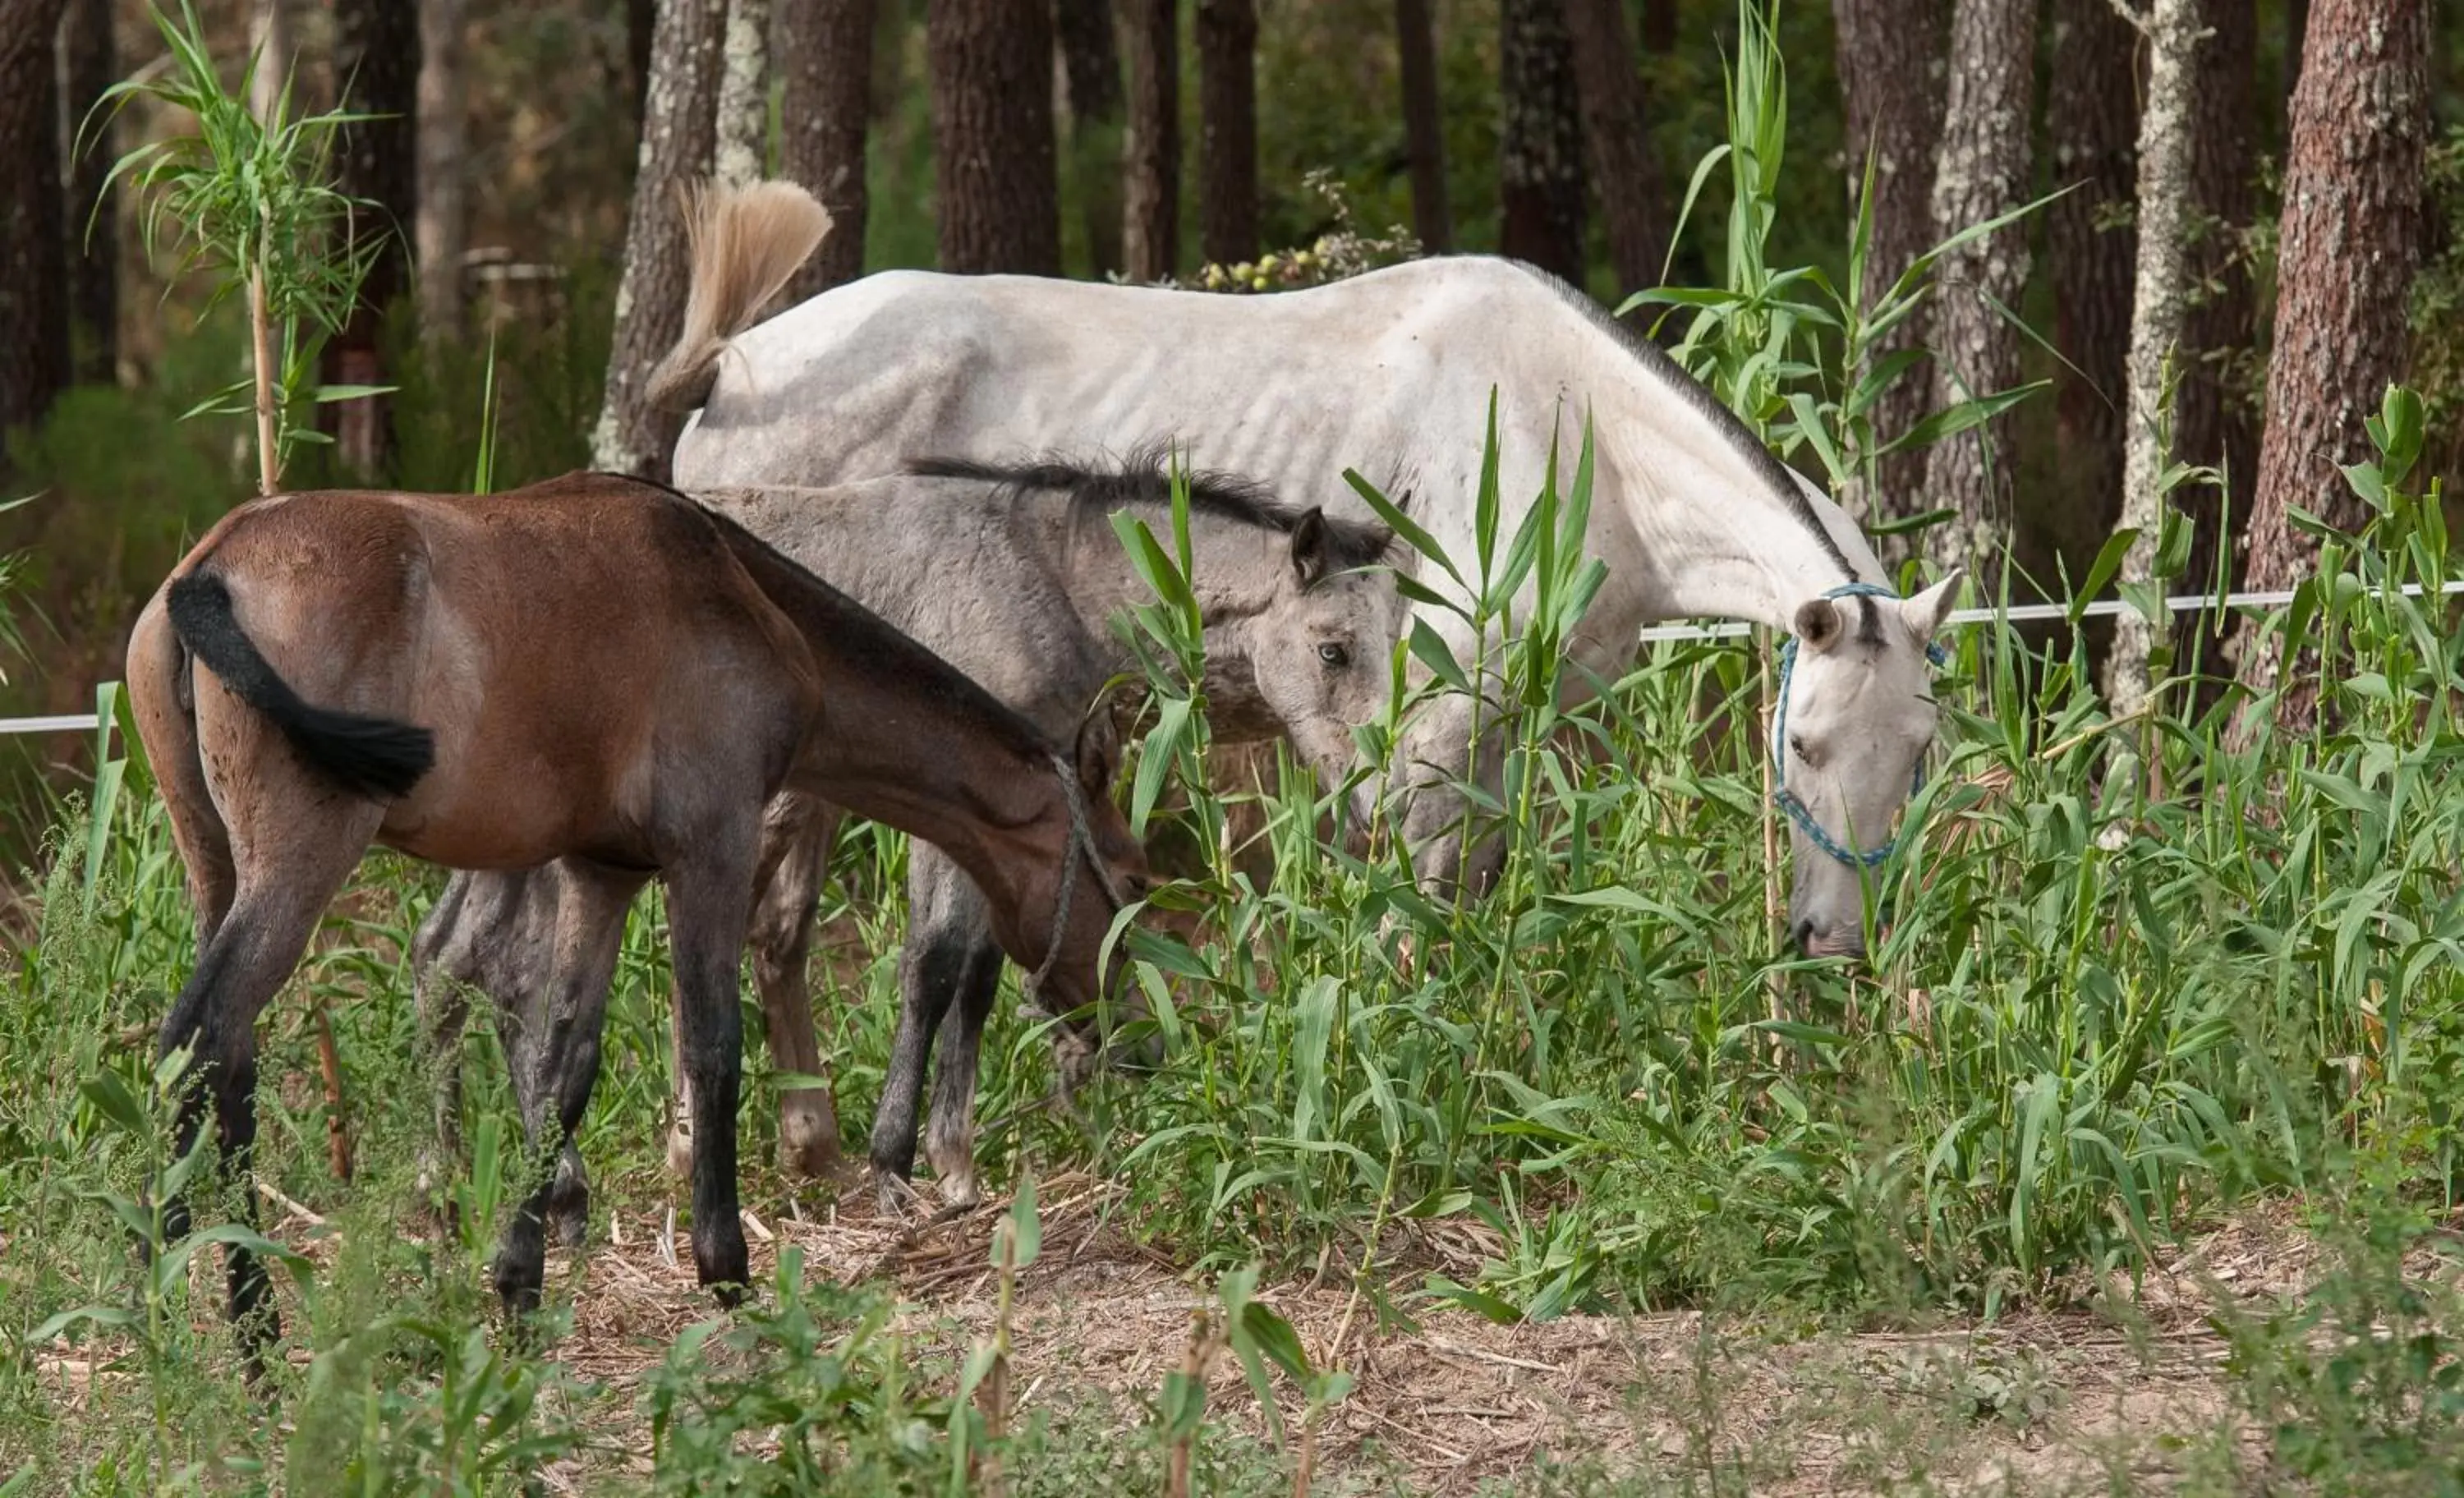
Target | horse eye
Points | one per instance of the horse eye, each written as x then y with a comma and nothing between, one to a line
1797,747
1334,655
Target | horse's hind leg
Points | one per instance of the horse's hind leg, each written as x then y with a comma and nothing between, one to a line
494,932
161,696
287,875
562,974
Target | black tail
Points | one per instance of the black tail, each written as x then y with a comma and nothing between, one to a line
370,756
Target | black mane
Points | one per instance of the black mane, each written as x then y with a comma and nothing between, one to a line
1144,478
1693,394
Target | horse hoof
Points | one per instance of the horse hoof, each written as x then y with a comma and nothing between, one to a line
810,1158
894,1193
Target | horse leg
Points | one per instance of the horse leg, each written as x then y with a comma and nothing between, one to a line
440,952
965,925
709,903
931,968
252,954
796,836
797,832
554,1052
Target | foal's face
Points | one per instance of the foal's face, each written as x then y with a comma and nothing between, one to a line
1323,654
1860,717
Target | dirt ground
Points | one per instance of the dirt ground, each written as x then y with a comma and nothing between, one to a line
2036,1403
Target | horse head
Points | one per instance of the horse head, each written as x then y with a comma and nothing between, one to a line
1323,649
1857,713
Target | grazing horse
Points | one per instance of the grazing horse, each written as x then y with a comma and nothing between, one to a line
596,672
1013,576
1391,373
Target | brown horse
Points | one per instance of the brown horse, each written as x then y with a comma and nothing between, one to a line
593,672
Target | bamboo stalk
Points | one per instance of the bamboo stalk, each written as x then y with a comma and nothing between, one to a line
268,456
329,1064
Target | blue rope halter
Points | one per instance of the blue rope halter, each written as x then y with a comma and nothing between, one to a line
1789,800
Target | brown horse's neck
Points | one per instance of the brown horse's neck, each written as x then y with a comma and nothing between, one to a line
905,737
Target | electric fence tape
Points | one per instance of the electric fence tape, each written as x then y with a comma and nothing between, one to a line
2017,613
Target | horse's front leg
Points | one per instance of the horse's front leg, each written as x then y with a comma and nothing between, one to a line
937,962
708,905
554,987
962,925
796,834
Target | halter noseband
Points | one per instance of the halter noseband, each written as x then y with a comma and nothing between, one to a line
1081,844
1787,800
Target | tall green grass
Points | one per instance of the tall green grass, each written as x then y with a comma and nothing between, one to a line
2109,1010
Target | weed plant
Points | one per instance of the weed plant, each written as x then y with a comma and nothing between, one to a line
2109,1009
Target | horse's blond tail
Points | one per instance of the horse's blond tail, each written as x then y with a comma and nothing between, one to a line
746,242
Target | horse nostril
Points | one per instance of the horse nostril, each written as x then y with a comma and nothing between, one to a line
1804,935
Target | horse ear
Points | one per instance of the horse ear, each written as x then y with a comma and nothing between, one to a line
1310,547
1926,612
1098,751
1817,624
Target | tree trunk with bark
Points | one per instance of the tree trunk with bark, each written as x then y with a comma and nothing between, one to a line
1540,163
444,134
825,66
2092,121
1424,134
2161,281
1891,58
678,137
2212,424
996,179
741,154
89,65
2350,244
1981,171
1616,124
33,270
1228,130
1090,65
1151,191
376,72
1659,27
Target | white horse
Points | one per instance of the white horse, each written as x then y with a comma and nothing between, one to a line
1390,373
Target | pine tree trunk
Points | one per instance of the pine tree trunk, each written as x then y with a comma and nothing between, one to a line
996,181
825,62
1616,123
2212,424
1090,60
1891,59
1659,27
444,132
1980,172
2092,121
2348,245
2162,281
1540,163
1151,191
89,65
680,111
742,155
1424,134
376,72
1228,130
33,269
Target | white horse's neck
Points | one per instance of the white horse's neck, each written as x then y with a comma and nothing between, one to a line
1725,530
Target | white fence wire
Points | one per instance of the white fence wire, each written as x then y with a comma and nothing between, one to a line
2017,613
